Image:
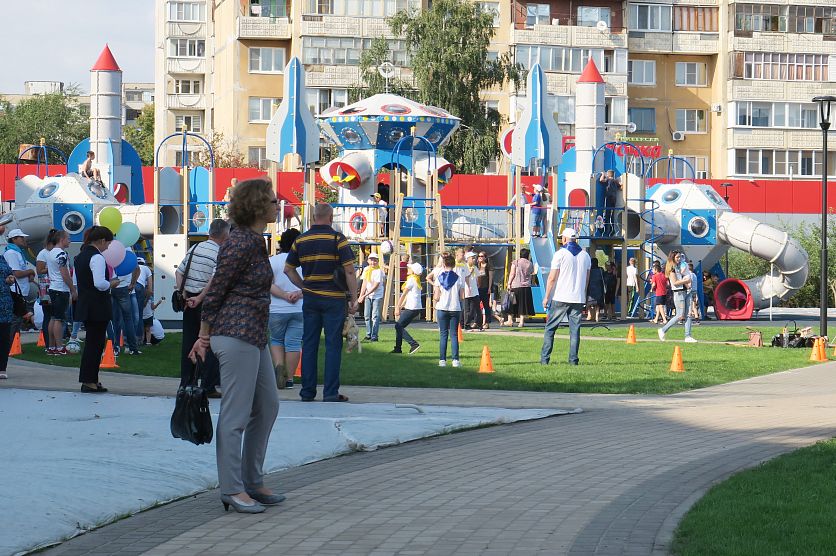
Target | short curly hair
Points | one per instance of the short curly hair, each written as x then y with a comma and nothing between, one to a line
253,201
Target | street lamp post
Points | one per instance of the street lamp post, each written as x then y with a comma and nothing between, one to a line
824,122
725,187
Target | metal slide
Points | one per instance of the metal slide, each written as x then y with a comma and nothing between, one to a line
765,242
542,251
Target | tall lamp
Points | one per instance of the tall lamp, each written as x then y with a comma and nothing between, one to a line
824,121
725,187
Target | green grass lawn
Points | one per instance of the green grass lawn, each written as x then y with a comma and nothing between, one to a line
707,331
606,366
784,506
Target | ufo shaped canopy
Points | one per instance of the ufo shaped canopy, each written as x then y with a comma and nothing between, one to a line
380,121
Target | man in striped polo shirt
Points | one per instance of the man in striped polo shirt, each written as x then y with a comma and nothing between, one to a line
320,251
204,257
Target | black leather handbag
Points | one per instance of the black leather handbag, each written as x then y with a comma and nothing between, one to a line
178,298
19,307
191,419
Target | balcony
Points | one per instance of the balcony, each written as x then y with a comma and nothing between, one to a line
186,29
186,65
567,35
186,102
264,28
680,42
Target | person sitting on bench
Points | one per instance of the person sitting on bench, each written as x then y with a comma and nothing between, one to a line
88,171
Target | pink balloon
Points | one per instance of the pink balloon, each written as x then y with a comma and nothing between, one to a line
114,254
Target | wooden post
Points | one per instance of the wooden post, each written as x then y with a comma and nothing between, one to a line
394,258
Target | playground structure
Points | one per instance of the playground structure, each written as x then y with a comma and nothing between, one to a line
389,146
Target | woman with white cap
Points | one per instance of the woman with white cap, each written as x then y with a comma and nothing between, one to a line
409,306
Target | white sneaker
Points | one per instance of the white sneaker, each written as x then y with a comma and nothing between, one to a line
661,334
442,362
456,363
3,376
690,340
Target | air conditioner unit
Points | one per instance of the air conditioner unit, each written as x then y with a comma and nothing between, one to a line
717,108
678,135
702,175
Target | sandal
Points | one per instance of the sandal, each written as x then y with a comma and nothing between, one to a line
339,398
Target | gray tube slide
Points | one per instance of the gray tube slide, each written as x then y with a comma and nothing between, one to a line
771,244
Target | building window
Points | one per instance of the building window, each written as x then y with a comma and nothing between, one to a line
680,168
695,18
649,17
189,122
771,162
776,114
568,60
780,66
187,86
537,14
320,100
490,8
691,74
186,11
489,105
566,110
360,8
641,72
785,19
615,110
187,48
261,109
346,50
644,118
590,16
691,120
268,8
257,157
267,60
492,56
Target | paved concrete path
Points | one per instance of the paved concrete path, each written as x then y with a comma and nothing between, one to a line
613,480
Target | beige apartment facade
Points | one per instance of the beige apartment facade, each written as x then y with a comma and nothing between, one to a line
724,86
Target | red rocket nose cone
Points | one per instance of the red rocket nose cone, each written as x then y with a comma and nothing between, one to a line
106,61
590,73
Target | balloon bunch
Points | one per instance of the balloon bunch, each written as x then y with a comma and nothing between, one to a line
117,256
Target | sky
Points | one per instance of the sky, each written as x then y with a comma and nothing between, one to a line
59,40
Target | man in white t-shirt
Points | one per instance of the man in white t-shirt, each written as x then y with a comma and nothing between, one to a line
566,294
21,271
374,286
632,283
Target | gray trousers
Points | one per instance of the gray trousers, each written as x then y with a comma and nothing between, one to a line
249,407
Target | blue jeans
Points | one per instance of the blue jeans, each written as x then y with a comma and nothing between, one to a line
682,300
372,309
538,215
400,328
448,325
557,311
139,302
123,317
318,313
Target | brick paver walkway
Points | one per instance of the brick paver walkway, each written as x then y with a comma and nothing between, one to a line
613,480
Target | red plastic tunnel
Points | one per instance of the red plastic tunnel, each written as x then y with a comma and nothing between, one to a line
733,300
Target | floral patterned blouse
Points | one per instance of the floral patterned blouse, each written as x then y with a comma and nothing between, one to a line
6,304
238,301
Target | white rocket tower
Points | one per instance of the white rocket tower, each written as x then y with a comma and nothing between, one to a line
106,116
589,130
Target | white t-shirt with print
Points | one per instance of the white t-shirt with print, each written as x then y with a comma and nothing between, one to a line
571,282
413,294
373,276
17,262
278,305
55,261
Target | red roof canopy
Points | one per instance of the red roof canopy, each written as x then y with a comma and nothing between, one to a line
590,73
106,61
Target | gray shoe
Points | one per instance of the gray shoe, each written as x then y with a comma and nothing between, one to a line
266,499
240,507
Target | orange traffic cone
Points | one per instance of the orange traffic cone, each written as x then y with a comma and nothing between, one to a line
16,348
486,365
298,372
676,362
41,343
122,340
461,336
823,350
815,353
108,360
631,335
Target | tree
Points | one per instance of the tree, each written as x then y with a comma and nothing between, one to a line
372,82
448,45
56,117
226,152
141,135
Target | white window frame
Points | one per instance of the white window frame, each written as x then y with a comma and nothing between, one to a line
192,48
257,156
690,115
793,162
188,86
644,67
680,170
256,55
177,11
616,110
193,121
602,14
537,14
317,98
657,17
782,115
691,74
262,105
492,8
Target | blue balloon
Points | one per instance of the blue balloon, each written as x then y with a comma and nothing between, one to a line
128,265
